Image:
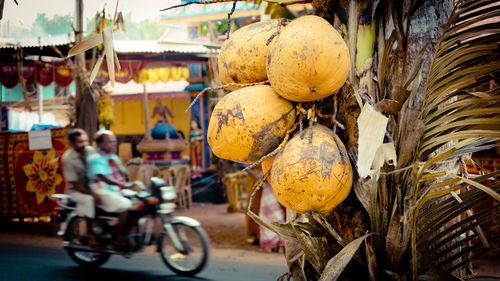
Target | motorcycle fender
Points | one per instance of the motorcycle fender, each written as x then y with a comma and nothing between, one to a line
186,220
178,220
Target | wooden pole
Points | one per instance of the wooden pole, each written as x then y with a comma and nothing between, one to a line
40,103
146,113
202,127
80,58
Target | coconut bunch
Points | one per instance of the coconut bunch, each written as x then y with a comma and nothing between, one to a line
299,61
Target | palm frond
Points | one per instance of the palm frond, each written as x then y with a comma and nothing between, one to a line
447,225
460,102
461,113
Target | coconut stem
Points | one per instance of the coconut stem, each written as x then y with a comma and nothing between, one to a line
196,2
229,18
282,22
301,112
257,186
225,87
243,85
271,38
310,130
199,95
334,117
278,149
301,126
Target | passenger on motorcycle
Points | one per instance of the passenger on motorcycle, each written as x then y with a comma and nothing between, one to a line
102,182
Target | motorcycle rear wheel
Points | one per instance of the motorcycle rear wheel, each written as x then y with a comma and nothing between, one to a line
76,232
196,244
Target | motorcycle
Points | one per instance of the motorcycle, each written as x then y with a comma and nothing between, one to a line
182,243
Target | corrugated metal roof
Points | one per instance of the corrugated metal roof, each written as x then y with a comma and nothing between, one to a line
144,46
30,42
121,46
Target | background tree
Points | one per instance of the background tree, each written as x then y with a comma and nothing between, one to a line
58,25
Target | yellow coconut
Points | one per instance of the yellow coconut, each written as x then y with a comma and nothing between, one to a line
313,176
308,61
242,58
249,123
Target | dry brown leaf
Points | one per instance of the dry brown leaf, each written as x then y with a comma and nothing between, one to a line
388,106
86,45
372,126
337,264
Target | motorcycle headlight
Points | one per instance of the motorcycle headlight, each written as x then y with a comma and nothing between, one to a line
168,193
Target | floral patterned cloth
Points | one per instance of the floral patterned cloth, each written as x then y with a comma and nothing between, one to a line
29,178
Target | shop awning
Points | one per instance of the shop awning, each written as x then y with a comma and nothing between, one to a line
139,60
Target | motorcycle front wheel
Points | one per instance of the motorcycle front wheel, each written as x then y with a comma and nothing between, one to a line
196,249
75,234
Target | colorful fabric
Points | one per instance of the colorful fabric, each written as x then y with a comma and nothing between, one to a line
272,210
29,178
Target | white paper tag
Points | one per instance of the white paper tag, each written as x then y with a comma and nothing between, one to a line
39,140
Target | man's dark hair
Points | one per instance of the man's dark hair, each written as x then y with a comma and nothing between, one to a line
73,133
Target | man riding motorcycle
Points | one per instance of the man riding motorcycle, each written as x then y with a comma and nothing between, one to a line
74,170
182,243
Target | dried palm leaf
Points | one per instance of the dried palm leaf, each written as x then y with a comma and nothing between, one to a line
106,38
461,110
459,102
337,264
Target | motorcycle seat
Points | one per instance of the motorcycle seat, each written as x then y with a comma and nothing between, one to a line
101,213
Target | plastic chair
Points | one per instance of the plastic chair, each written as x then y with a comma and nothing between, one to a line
146,172
182,183
125,151
167,176
132,172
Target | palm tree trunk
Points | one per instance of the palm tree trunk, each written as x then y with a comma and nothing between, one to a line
383,75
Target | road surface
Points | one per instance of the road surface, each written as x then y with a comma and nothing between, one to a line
36,258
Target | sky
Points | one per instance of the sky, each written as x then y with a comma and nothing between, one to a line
25,13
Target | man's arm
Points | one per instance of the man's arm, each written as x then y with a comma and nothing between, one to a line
71,176
111,181
115,161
